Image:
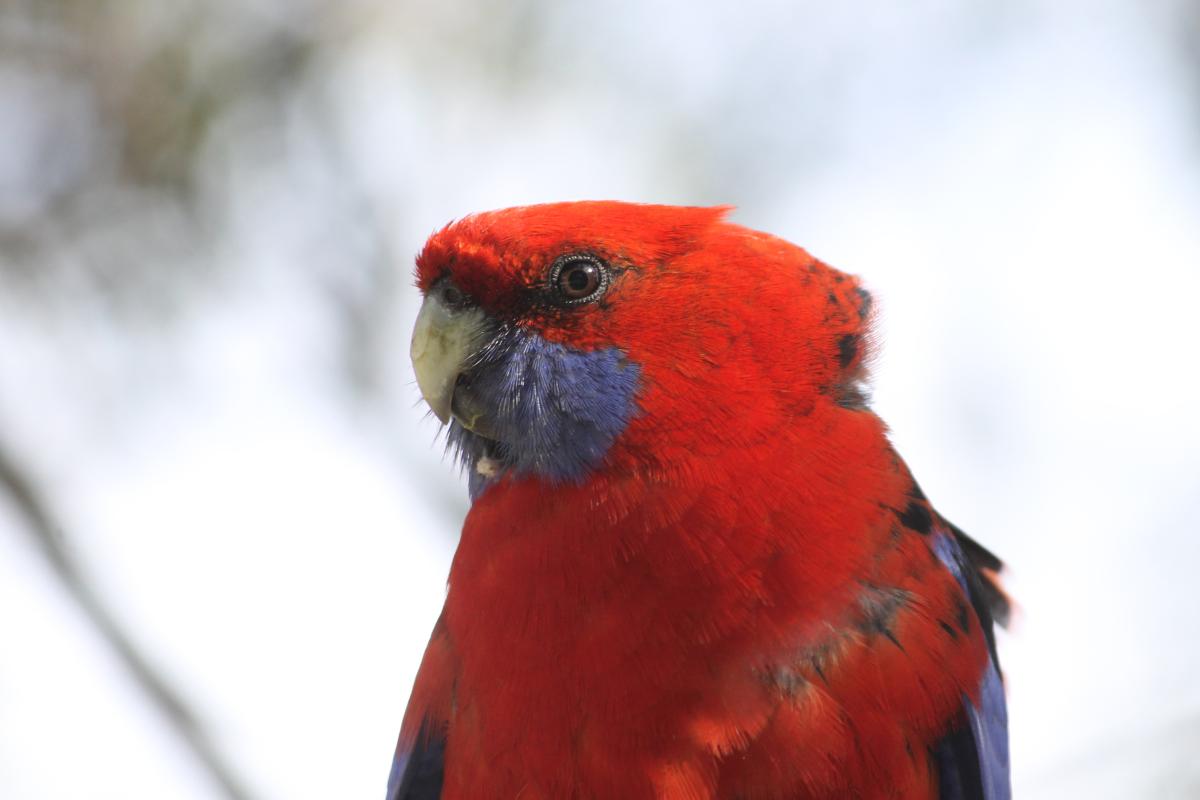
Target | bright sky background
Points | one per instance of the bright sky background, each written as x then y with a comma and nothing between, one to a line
1018,183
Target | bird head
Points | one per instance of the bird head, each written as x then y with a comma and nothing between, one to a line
556,340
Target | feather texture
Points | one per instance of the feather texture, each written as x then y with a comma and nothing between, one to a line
696,567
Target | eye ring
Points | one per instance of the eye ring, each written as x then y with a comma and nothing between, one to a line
578,278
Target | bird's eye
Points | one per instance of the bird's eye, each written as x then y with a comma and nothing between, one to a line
452,296
578,279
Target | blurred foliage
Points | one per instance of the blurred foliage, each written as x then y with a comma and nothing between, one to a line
130,125
102,199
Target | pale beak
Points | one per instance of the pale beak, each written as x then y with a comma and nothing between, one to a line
444,339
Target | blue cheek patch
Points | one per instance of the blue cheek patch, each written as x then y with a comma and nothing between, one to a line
553,411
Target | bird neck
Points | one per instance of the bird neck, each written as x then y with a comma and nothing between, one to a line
696,547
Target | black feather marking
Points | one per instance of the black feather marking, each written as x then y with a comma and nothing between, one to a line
962,615
916,516
847,349
864,302
880,606
818,657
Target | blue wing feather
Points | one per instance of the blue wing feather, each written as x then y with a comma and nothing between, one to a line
972,760
417,771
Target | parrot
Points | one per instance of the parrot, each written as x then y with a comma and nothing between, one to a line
694,566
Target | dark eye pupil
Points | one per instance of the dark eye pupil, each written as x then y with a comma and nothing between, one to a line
579,280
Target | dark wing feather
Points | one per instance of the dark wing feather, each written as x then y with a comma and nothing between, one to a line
972,760
986,567
417,772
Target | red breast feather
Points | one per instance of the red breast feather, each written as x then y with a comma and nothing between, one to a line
734,604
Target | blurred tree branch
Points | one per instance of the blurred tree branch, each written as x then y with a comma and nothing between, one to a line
47,536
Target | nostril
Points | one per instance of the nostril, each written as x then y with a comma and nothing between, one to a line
453,296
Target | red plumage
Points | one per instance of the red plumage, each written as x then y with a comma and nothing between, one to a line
739,601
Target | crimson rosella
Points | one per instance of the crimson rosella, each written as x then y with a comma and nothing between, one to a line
694,565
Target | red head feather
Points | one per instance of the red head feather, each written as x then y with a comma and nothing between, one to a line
749,596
